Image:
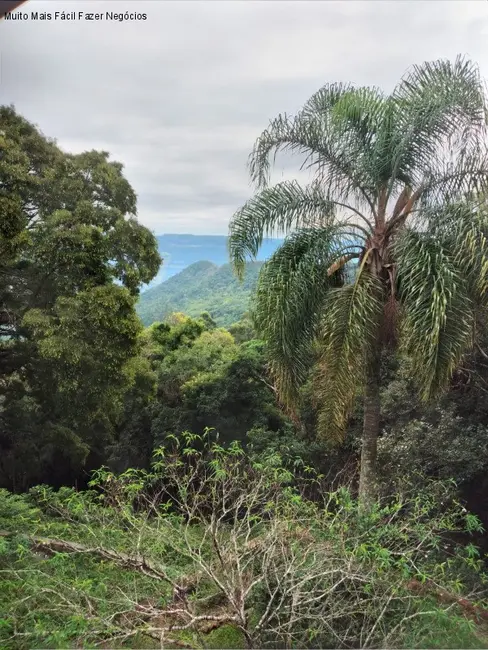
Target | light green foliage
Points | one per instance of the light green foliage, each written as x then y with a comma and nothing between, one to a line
192,374
242,552
190,351
243,330
78,327
201,287
205,378
226,637
435,628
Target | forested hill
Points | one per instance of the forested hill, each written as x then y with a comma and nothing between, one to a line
179,251
200,287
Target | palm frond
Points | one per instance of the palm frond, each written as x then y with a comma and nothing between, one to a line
451,180
280,209
463,230
471,246
289,301
351,324
326,99
285,133
333,131
438,313
444,97
357,111
440,108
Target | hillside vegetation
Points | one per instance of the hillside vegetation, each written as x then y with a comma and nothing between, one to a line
179,251
201,287
313,475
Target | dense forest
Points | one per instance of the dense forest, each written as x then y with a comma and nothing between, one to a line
286,455
200,287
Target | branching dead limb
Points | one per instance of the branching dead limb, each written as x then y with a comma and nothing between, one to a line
140,563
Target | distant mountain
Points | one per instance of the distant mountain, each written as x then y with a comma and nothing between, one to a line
179,251
202,286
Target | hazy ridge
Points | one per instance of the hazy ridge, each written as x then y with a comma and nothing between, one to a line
202,286
181,250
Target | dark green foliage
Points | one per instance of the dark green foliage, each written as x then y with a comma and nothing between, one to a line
73,259
439,440
204,378
201,287
243,330
191,375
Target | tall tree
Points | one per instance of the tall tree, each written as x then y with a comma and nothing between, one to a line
72,259
392,175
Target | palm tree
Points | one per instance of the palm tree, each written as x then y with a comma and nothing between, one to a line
394,186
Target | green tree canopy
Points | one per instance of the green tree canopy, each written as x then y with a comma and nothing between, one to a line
205,378
72,258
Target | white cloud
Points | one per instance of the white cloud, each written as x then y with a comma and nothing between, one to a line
180,98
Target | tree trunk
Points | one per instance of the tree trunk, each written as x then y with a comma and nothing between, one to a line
371,429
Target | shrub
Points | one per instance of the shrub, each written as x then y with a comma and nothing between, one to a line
239,552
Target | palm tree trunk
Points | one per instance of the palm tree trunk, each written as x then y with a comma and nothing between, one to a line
371,429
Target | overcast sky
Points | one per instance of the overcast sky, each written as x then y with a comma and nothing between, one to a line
181,97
